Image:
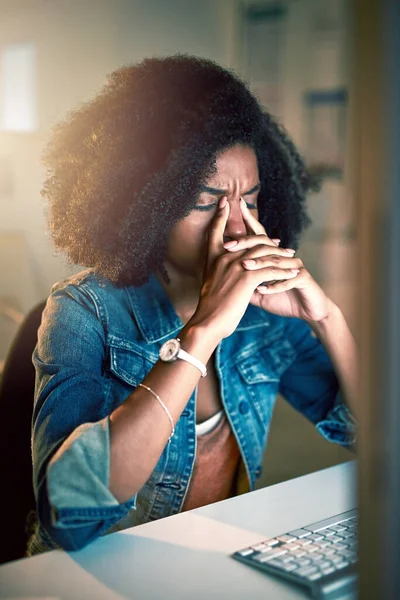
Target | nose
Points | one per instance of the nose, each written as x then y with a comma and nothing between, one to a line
235,226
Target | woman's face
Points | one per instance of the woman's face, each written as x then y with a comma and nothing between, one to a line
236,175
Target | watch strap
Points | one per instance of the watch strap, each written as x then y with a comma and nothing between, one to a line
193,361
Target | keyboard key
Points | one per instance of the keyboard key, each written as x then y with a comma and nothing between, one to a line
316,557
348,553
346,558
328,570
338,528
289,567
315,576
260,547
303,542
299,533
292,547
276,563
305,571
324,550
347,545
303,561
325,564
341,565
347,534
336,558
328,532
266,549
315,537
340,546
272,542
299,554
274,553
335,539
246,552
262,558
287,558
286,538
323,544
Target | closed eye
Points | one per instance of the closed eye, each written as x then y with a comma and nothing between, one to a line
219,193
207,207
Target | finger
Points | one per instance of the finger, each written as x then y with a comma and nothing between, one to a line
253,224
270,274
216,231
281,286
254,240
252,262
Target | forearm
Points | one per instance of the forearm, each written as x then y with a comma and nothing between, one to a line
140,428
338,341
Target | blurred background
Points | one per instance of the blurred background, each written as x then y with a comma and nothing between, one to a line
296,56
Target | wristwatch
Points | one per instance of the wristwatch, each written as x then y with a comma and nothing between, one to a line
171,350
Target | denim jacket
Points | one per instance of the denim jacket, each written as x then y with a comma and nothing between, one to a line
96,343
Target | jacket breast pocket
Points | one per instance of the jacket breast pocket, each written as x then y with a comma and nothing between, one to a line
267,363
127,368
261,372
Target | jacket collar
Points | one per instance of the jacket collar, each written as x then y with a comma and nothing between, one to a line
153,311
157,319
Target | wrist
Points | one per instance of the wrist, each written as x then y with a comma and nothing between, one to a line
198,339
330,320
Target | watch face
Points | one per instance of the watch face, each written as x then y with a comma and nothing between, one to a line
169,351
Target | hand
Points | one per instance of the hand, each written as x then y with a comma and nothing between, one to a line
291,296
228,287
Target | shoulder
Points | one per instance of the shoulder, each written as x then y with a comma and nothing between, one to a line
87,292
88,283
87,279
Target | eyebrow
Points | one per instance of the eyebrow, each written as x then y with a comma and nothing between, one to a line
218,192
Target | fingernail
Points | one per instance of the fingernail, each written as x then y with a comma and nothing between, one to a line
223,202
290,251
249,263
230,244
243,201
295,271
276,241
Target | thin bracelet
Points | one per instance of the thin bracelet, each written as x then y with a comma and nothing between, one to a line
157,397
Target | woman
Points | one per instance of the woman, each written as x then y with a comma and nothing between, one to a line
158,367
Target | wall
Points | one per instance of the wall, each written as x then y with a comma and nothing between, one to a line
78,44
316,55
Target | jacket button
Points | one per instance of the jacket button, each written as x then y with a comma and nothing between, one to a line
243,407
258,471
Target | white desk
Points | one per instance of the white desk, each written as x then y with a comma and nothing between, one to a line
187,555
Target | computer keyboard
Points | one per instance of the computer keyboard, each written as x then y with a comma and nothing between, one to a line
321,557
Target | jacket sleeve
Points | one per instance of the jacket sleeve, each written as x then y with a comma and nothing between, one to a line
311,387
71,439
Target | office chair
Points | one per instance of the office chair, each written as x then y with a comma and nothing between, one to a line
16,404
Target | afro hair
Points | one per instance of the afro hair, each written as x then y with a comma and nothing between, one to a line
126,166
